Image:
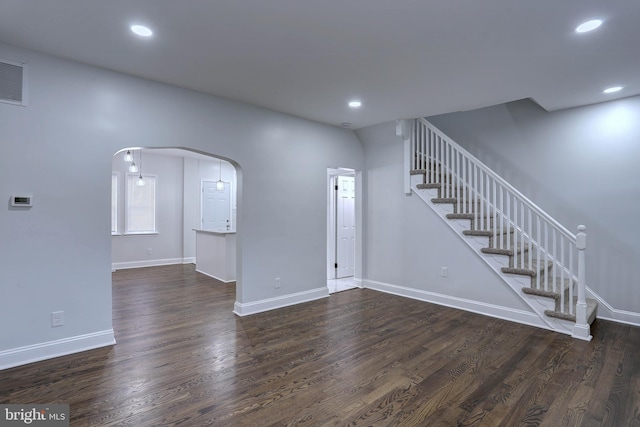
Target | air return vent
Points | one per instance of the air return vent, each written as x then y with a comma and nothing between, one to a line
12,82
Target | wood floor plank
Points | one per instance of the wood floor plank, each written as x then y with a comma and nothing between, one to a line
359,357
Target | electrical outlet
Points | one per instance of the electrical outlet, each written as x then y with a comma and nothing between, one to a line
277,283
148,251
57,318
444,271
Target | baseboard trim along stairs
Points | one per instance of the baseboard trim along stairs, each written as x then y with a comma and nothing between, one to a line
541,261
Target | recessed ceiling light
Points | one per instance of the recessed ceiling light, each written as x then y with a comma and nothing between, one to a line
141,30
612,89
345,125
355,104
588,26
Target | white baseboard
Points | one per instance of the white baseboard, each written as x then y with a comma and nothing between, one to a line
189,260
48,350
606,312
500,312
246,309
148,263
214,277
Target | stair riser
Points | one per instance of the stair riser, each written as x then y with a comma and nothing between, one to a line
434,176
453,192
508,241
517,262
557,289
523,259
486,223
536,269
463,207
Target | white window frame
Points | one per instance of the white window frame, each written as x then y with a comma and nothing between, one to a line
131,180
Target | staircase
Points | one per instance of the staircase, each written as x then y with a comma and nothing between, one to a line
531,252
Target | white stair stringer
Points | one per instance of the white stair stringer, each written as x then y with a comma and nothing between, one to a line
515,282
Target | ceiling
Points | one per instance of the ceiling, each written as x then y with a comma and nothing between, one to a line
401,58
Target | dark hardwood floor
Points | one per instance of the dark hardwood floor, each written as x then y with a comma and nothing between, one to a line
358,358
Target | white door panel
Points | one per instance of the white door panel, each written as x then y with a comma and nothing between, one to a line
216,206
345,227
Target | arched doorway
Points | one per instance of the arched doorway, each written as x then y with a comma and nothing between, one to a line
174,182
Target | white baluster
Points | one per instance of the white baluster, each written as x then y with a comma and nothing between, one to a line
494,225
487,191
423,147
554,256
522,231
546,253
472,188
432,157
479,206
465,184
539,242
419,137
502,245
446,185
571,308
438,162
415,159
562,297
508,221
458,181
475,203
529,248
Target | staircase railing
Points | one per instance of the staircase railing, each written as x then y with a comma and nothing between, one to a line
515,225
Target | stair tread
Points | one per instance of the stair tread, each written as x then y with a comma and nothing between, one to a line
486,233
524,270
428,186
592,307
471,216
499,251
454,200
444,200
552,282
540,292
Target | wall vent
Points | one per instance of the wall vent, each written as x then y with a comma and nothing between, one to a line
12,82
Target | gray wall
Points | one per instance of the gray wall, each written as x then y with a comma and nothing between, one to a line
57,255
406,243
581,166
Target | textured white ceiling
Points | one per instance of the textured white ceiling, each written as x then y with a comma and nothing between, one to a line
402,58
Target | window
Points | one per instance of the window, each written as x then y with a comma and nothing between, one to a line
114,203
140,206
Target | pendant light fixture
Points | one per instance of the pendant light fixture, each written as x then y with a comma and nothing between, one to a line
128,157
220,182
140,181
132,167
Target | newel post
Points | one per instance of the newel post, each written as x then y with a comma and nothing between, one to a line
581,328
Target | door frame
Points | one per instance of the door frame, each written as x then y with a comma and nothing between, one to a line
332,174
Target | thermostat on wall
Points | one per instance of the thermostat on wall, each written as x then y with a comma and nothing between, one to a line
22,201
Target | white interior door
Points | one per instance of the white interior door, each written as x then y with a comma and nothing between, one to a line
216,206
345,226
